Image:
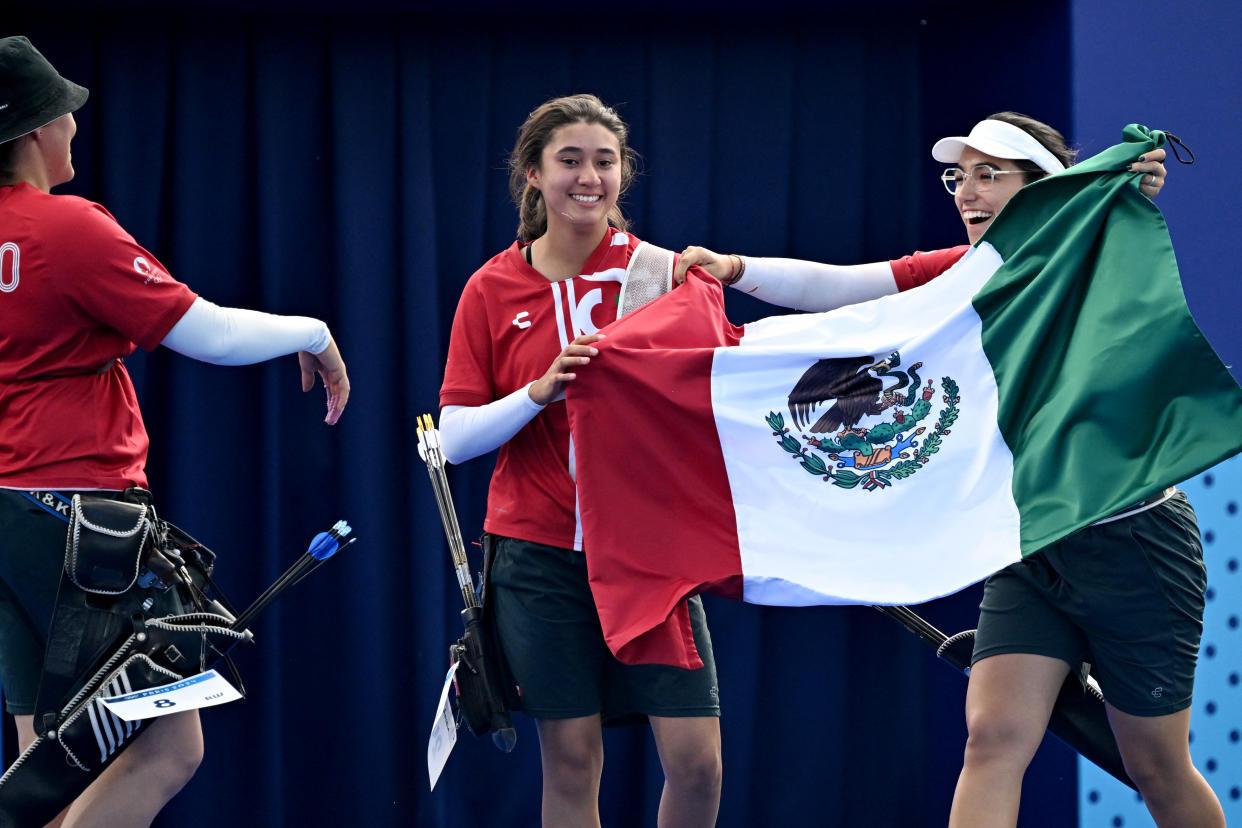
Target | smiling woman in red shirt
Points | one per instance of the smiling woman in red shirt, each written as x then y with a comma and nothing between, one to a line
525,326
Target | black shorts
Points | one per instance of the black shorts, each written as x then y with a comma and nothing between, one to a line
33,530
1126,597
551,637
32,556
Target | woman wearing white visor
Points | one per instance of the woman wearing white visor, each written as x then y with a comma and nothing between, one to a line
1125,595
1003,153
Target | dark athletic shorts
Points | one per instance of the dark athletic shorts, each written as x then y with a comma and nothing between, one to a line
550,635
32,556
1125,597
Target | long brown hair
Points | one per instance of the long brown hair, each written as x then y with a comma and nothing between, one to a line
535,134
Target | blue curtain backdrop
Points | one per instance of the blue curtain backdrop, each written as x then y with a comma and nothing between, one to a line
351,167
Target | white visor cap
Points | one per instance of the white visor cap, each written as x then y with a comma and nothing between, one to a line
999,140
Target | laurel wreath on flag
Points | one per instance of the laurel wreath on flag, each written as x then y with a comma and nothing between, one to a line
878,478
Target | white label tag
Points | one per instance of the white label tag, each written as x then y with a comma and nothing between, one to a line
443,732
203,690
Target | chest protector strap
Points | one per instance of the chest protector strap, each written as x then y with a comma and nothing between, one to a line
648,276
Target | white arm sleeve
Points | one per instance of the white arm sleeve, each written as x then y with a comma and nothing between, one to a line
811,286
236,336
469,431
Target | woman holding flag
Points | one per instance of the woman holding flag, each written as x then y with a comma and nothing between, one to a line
524,327
1125,595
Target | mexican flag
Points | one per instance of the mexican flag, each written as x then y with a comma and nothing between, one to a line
899,450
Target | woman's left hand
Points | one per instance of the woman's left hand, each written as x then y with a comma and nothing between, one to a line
328,365
1152,167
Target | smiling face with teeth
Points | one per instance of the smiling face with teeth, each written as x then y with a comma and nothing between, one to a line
579,176
977,209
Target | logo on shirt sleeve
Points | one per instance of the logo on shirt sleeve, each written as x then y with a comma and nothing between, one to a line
144,268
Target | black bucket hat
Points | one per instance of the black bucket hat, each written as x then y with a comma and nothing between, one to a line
32,92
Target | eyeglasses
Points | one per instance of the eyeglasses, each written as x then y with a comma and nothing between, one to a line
982,174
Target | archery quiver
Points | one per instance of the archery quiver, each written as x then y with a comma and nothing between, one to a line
479,683
132,613
485,692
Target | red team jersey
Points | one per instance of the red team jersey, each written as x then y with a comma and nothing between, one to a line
511,323
77,294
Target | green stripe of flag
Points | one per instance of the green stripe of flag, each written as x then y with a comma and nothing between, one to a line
1107,388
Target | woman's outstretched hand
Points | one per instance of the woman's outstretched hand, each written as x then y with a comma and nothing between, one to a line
329,365
717,264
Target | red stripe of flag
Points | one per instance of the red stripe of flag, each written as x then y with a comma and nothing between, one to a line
682,457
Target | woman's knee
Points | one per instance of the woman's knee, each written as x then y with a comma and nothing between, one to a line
573,762
998,736
1157,767
1155,749
187,760
171,751
1008,701
700,769
572,779
571,752
690,753
1149,777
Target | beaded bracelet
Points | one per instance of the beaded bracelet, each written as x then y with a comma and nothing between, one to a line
735,272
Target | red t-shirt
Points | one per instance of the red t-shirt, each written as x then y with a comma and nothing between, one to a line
511,322
919,267
77,294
